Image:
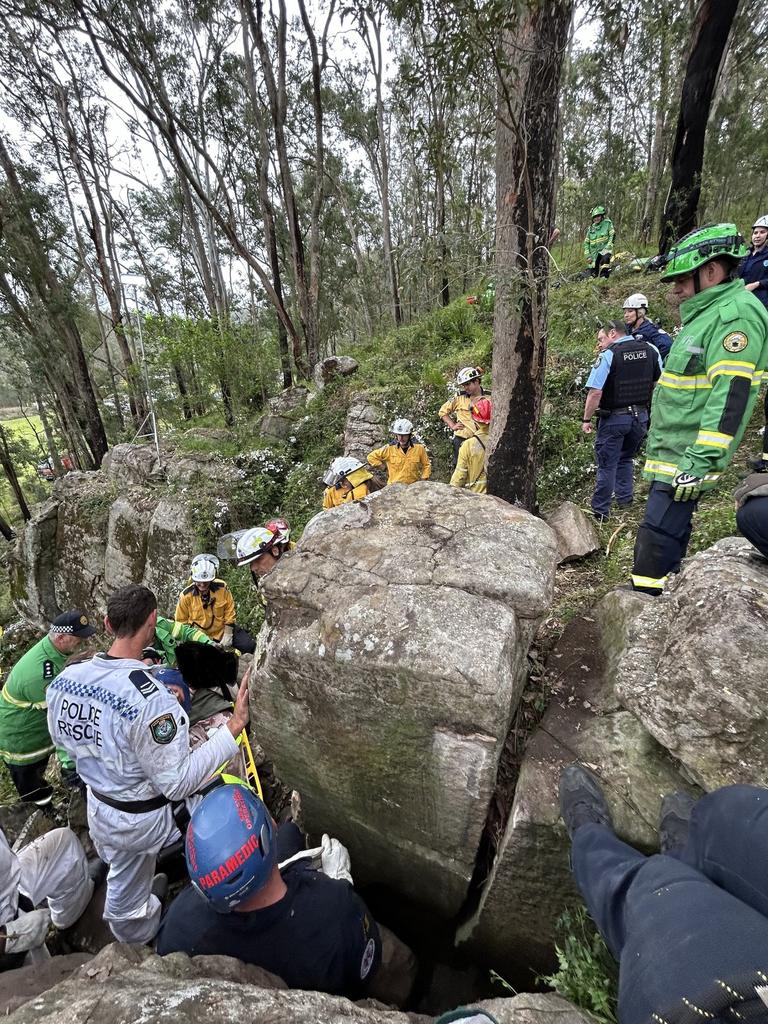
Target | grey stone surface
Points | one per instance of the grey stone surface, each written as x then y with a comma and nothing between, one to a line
19,986
127,534
695,666
576,536
81,545
288,400
132,985
333,366
278,427
368,695
170,547
31,566
132,464
531,881
365,428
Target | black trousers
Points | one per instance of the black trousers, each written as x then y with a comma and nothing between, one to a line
30,782
682,925
243,641
601,267
752,520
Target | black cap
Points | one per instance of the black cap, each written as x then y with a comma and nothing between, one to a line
73,623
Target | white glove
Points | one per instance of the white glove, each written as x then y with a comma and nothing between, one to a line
226,639
335,859
27,932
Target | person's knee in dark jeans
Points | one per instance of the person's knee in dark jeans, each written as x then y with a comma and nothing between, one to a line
752,521
243,641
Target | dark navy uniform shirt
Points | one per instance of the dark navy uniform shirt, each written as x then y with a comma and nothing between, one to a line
319,936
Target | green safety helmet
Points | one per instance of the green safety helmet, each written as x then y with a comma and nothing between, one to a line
710,242
597,211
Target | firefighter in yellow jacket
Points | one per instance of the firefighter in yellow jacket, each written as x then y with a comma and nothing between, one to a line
456,414
208,604
347,480
470,469
406,460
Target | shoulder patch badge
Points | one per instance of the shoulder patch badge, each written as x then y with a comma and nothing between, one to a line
48,670
144,683
163,729
736,341
367,961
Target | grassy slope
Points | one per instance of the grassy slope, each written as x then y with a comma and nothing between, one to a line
408,372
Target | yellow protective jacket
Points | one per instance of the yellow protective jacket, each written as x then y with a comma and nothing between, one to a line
211,612
335,496
470,468
403,467
460,407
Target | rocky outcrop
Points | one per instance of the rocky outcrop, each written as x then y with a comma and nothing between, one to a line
576,536
695,665
130,522
531,881
333,366
131,985
369,694
365,428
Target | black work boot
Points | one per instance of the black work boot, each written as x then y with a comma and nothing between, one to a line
674,819
160,886
758,465
581,799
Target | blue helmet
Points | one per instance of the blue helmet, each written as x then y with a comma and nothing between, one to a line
172,677
229,846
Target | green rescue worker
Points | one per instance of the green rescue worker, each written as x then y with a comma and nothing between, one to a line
169,633
598,243
704,397
25,743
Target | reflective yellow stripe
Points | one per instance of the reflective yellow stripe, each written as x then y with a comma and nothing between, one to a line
34,755
26,704
659,467
683,383
731,368
714,439
649,582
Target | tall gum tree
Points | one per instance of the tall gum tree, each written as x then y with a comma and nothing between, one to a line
532,52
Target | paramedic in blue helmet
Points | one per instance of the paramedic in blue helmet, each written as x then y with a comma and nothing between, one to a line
256,896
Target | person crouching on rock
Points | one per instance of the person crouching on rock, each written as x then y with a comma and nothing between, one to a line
470,468
347,480
309,927
207,603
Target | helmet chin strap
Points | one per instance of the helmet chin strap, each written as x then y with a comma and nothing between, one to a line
696,281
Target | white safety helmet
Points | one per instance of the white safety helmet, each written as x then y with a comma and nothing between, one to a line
467,374
253,543
204,568
339,468
636,301
402,427
761,222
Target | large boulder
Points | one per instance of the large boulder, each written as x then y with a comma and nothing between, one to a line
333,366
365,428
695,666
127,534
576,536
390,663
531,883
170,548
81,545
289,400
132,985
31,565
130,464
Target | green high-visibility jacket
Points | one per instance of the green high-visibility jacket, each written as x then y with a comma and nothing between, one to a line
168,633
707,391
24,736
599,238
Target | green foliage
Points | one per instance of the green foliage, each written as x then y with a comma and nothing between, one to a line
587,974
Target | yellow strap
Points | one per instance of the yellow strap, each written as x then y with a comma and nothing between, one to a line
649,582
34,755
25,704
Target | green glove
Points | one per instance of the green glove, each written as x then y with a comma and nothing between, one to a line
687,487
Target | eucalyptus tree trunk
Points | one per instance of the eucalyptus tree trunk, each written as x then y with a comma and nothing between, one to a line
526,170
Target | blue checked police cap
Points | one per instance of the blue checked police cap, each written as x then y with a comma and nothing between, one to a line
73,623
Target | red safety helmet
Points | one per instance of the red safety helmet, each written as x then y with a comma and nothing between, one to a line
281,528
481,410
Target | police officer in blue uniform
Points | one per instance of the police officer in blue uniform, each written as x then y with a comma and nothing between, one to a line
688,926
753,270
619,392
637,324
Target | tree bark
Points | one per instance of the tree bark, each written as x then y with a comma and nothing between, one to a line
709,39
526,170
50,440
6,529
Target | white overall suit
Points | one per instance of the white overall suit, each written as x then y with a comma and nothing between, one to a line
52,867
130,740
